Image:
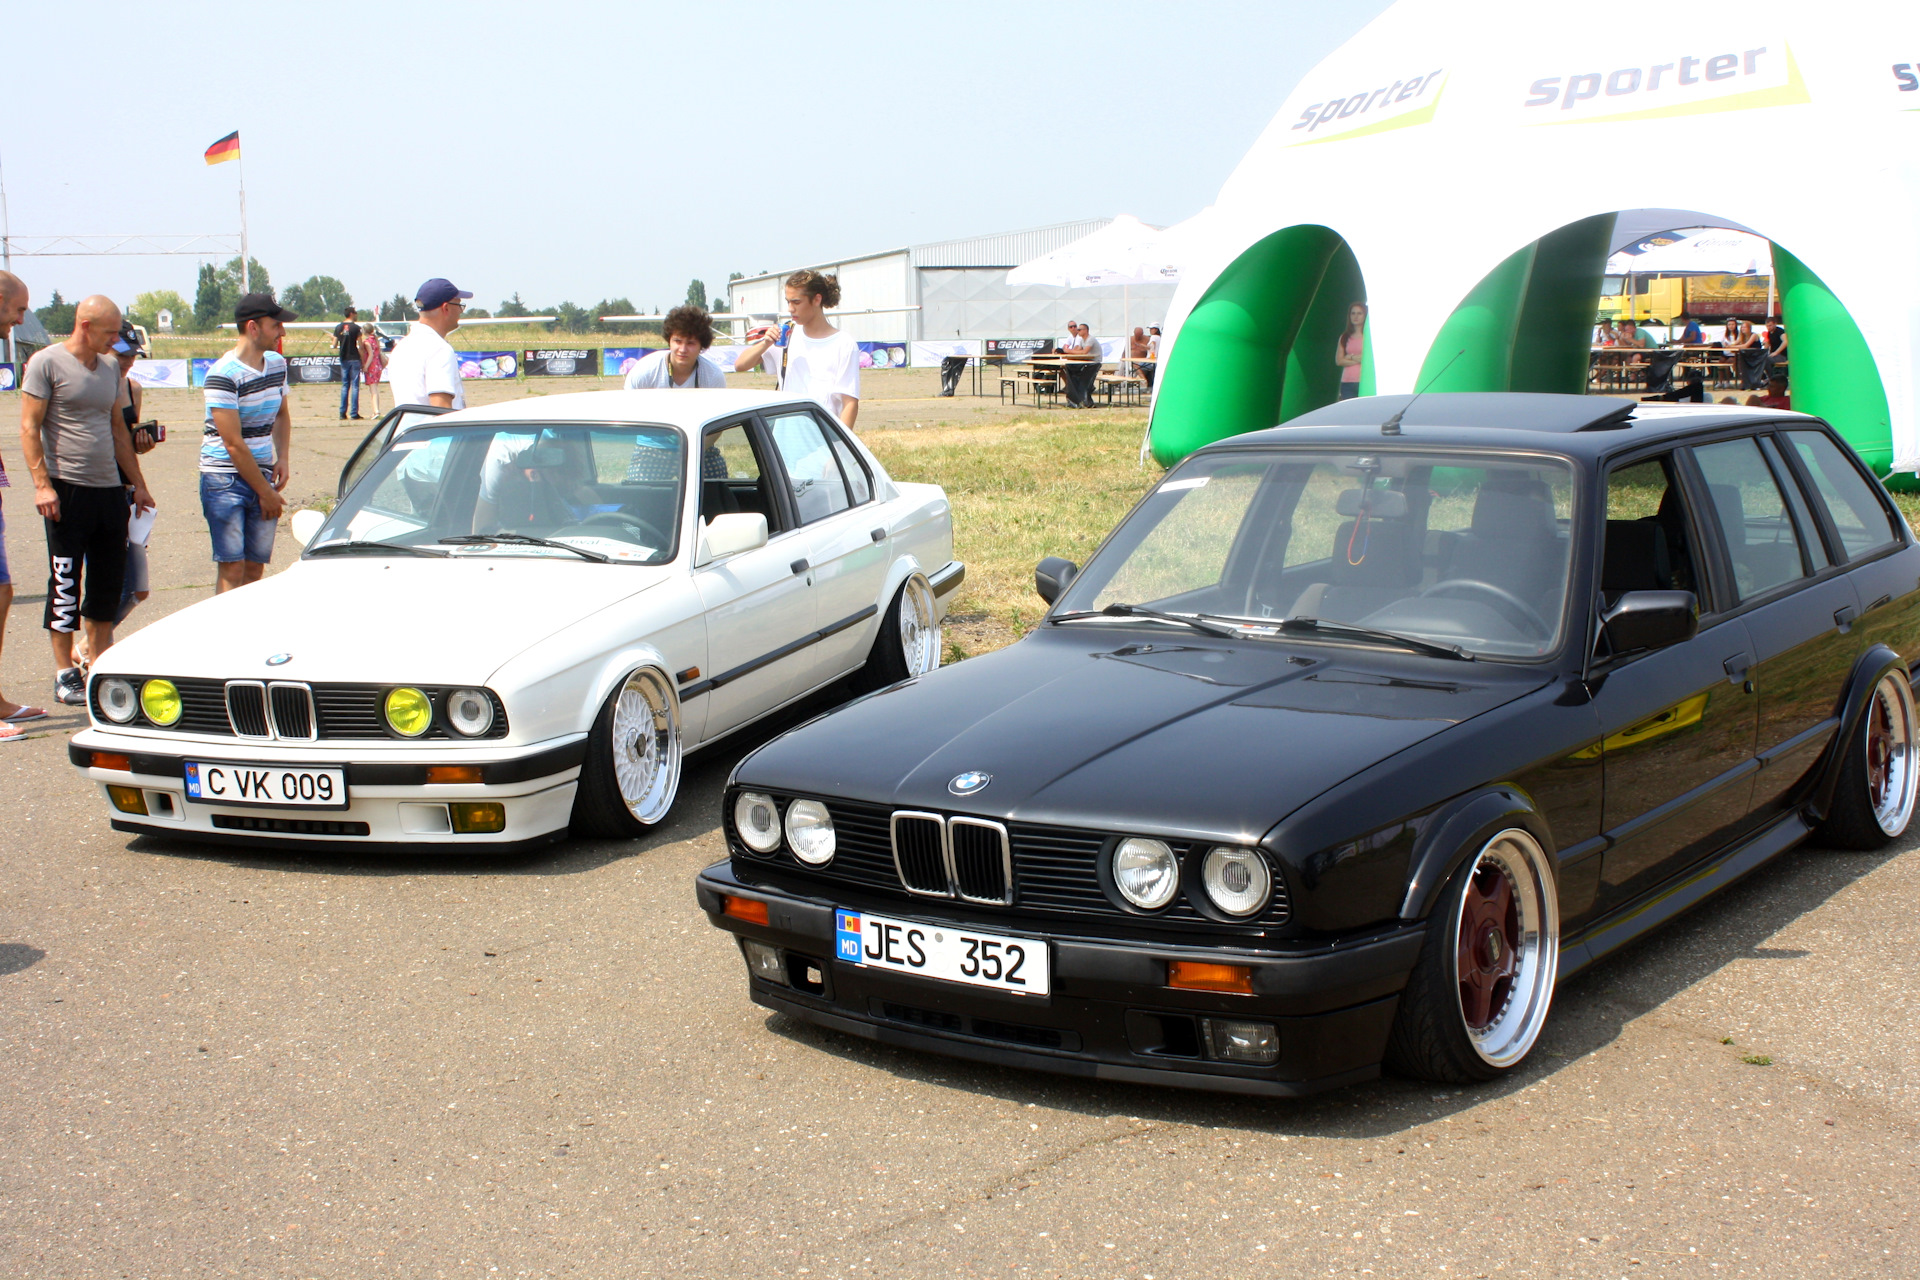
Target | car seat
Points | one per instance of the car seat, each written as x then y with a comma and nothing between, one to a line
1373,561
1513,542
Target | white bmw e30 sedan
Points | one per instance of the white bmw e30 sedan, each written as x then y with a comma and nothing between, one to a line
516,621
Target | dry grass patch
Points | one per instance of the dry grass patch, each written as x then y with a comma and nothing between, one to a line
1021,491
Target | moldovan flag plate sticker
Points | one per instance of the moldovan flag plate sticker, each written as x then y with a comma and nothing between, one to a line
228,148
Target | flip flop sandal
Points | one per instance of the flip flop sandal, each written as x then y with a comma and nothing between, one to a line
9,733
24,713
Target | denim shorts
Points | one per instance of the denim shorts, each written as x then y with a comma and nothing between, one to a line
233,516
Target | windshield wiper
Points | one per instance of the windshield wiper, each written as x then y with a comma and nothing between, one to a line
523,540
373,549
1325,627
1141,611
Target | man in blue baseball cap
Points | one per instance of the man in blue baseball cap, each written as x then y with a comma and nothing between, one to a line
424,368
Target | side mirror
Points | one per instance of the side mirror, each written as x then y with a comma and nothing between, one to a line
1051,576
305,523
730,534
1651,620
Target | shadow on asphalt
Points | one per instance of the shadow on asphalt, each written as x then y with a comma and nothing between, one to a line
702,779
15,956
1590,1012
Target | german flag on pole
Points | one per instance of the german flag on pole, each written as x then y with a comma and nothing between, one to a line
228,148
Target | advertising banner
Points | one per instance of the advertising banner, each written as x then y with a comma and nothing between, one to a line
197,370
615,361
576,363
488,364
159,373
883,355
1709,297
304,369
1015,349
928,355
8,378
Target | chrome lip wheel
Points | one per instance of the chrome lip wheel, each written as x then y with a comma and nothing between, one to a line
1890,756
646,746
919,632
1507,948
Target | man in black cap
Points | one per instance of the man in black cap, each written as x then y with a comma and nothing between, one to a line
424,368
244,445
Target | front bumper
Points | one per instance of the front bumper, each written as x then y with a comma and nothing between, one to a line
1110,1016
391,805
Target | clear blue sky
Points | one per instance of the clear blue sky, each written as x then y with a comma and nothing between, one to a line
587,150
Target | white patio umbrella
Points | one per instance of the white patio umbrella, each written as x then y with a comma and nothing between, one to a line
1125,252
1708,251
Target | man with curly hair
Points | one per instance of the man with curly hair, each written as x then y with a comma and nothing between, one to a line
684,363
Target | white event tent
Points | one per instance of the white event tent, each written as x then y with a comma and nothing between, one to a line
1466,167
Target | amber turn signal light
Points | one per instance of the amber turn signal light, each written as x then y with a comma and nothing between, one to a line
744,909
1198,975
108,760
453,773
128,800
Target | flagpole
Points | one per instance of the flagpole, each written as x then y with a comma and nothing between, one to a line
246,281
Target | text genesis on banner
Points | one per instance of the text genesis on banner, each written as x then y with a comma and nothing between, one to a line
577,363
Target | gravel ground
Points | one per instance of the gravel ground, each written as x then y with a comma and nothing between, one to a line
267,1066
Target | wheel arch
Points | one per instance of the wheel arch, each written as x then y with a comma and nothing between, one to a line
1457,833
1876,662
613,670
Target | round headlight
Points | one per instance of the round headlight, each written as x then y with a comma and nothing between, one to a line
118,702
1237,880
810,832
757,820
161,701
470,712
1146,873
409,712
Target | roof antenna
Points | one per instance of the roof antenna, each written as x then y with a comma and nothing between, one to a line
1391,427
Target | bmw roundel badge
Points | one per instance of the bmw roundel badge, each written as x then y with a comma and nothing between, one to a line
279,659
965,784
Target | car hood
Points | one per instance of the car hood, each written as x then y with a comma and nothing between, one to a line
380,619
1205,739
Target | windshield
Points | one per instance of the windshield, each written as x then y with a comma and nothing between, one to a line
1468,550
610,490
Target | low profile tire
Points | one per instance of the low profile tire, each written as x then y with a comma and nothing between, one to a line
1479,995
632,770
909,641
1873,800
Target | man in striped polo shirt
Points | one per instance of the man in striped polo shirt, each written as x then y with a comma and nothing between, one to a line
243,449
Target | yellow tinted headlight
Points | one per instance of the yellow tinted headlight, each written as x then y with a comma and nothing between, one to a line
409,712
161,701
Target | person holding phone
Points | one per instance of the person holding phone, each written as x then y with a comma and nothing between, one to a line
822,363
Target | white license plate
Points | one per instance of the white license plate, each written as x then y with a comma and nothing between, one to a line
276,786
1018,965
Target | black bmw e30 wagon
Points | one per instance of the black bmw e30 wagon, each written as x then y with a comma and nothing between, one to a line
1353,739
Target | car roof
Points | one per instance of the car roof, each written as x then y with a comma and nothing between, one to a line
1584,426
679,408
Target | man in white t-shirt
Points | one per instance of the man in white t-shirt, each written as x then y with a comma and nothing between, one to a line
684,363
822,363
424,368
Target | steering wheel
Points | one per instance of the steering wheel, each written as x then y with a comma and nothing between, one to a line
652,536
1519,608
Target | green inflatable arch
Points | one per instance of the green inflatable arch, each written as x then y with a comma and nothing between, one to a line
1258,348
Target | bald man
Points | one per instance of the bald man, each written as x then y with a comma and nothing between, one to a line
78,449
13,309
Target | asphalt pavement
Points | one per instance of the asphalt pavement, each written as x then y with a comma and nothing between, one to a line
228,1064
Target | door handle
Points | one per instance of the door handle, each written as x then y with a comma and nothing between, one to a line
1843,618
1736,668
799,566
878,535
